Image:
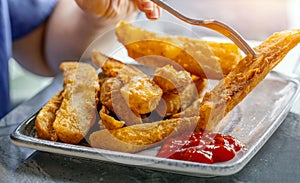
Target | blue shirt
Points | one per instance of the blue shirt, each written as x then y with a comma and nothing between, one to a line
17,18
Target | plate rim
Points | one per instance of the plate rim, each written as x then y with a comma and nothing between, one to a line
220,169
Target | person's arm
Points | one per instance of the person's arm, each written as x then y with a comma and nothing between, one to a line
69,30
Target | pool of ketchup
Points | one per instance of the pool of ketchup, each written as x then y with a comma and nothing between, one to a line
204,147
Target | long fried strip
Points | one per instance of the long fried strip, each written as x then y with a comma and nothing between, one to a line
202,58
45,118
142,136
114,68
77,112
107,121
242,79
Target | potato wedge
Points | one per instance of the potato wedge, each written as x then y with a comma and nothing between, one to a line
168,79
139,137
107,121
111,98
45,118
138,90
242,79
77,112
202,58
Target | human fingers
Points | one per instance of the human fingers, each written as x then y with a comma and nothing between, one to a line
151,10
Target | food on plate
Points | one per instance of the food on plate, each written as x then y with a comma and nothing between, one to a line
114,68
180,89
174,101
169,79
69,114
45,118
77,112
241,80
140,93
227,93
174,108
138,137
203,147
111,97
206,59
110,87
107,121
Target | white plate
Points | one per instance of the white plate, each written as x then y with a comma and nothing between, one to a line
253,121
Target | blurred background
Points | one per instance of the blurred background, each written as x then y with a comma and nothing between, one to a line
254,19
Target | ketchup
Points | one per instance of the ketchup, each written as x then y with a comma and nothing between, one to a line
203,147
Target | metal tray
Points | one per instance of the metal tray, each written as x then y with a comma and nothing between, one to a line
253,121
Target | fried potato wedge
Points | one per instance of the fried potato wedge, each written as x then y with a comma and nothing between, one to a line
139,91
107,121
139,137
169,79
77,112
202,58
111,97
175,101
45,118
142,94
242,79
114,68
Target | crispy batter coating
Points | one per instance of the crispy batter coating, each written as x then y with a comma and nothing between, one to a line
176,101
107,121
169,79
202,58
114,68
141,94
45,118
111,97
77,112
242,79
139,137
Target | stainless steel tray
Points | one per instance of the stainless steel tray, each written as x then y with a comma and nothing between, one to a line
253,121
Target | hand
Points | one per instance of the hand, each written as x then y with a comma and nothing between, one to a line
119,9
151,10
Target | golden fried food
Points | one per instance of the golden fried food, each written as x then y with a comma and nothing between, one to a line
170,104
107,88
114,68
107,121
176,101
139,137
202,58
242,79
45,118
141,94
111,97
168,79
77,112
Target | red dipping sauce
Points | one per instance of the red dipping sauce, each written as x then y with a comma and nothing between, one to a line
203,147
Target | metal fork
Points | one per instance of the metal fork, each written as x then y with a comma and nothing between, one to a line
211,24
